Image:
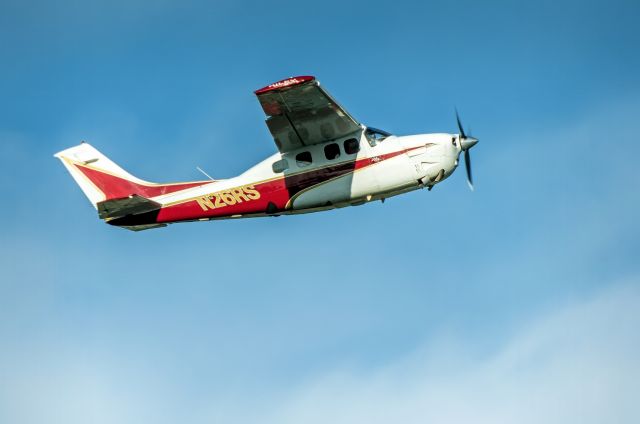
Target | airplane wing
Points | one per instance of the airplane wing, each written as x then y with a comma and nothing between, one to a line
301,113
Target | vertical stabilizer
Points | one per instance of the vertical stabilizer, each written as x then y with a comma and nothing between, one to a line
101,179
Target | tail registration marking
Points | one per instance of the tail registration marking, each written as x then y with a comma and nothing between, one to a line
229,197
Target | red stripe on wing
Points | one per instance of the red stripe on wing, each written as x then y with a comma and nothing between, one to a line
285,83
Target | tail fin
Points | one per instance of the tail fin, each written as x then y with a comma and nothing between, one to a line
101,179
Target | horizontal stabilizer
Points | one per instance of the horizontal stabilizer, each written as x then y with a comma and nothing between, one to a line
132,205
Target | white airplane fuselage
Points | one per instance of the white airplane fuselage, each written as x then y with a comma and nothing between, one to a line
382,169
377,170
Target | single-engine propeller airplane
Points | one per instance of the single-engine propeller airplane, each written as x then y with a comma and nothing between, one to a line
326,159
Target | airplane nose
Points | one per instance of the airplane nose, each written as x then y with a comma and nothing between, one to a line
467,143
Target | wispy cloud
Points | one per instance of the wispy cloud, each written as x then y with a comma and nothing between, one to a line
576,364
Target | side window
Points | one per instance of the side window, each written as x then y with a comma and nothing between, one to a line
351,146
280,166
332,151
303,159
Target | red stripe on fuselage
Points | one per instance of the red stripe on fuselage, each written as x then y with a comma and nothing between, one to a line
115,187
226,204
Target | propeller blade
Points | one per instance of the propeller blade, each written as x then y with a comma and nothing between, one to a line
467,164
462,134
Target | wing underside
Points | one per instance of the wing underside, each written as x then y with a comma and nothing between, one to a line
301,113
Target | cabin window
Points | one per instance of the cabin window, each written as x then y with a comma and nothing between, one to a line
332,151
303,159
351,146
280,166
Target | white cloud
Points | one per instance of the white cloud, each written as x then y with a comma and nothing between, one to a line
577,365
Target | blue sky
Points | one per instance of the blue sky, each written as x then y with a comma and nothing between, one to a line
518,302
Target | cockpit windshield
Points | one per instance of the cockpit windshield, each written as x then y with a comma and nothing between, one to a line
375,135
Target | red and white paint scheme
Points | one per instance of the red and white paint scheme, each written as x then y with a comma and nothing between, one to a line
326,159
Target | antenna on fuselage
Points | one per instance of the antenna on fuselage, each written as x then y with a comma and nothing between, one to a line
207,175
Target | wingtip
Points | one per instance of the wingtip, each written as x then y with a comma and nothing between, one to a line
285,83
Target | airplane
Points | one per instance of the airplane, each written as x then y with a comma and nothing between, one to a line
326,159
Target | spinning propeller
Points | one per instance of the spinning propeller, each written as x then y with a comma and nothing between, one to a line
466,142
